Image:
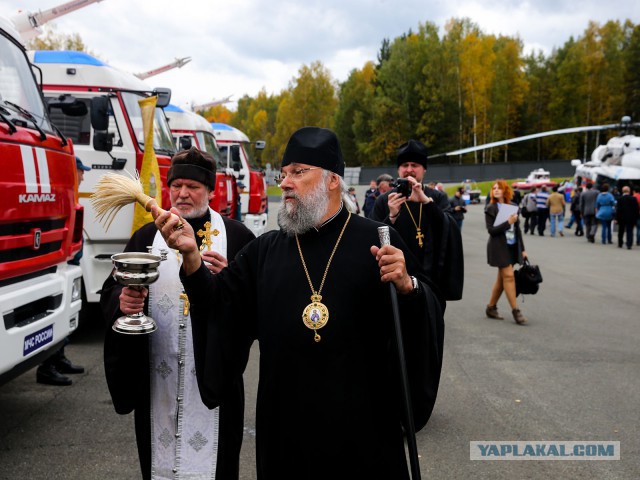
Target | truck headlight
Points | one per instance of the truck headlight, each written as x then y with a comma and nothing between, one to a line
76,289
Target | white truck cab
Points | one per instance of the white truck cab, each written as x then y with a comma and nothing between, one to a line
235,148
190,129
109,138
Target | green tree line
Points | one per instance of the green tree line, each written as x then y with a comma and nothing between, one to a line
459,89
452,90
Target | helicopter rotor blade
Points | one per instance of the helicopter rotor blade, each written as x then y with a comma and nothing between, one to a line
561,131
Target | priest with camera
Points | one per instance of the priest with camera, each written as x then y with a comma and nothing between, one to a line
422,217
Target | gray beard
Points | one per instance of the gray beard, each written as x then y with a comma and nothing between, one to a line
306,213
198,210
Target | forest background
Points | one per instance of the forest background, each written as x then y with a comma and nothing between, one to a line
461,89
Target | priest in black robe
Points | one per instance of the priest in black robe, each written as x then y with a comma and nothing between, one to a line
315,295
423,218
147,374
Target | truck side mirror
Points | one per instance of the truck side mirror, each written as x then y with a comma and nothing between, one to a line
260,144
185,143
236,164
100,113
103,141
164,96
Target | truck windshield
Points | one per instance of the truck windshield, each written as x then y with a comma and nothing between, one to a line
162,139
17,84
208,143
249,152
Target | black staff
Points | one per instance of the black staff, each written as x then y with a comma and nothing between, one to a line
383,233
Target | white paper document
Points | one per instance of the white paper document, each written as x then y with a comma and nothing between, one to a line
504,212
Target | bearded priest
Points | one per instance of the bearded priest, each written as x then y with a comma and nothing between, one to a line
154,375
315,296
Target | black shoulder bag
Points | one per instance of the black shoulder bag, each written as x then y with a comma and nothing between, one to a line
528,278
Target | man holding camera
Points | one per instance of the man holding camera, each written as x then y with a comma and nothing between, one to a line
421,215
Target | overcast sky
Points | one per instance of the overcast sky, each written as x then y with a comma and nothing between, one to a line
240,46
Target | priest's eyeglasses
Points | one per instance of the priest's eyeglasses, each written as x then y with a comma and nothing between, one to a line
294,175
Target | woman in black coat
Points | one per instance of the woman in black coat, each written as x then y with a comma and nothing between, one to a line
504,249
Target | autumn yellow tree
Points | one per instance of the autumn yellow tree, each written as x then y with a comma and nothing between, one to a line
218,114
257,118
310,100
353,113
477,75
509,90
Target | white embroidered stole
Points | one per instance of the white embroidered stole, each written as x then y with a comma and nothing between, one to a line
184,431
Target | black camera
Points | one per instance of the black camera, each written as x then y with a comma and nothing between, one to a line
402,186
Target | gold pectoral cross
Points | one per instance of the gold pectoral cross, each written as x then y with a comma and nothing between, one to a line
206,233
419,237
185,309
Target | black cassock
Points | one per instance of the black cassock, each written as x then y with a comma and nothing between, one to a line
126,361
441,255
330,409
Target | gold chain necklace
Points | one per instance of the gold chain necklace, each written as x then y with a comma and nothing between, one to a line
316,314
419,235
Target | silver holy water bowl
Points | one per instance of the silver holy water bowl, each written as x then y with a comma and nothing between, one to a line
136,270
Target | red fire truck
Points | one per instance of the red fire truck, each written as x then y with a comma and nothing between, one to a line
190,129
40,218
108,137
236,153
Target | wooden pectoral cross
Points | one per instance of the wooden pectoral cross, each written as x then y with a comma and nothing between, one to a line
420,237
206,233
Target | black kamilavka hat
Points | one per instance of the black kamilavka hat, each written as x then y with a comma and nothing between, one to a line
412,151
315,146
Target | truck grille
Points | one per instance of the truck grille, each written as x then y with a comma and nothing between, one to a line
15,254
22,228
32,312
13,250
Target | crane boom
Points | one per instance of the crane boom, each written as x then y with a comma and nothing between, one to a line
177,63
28,24
205,106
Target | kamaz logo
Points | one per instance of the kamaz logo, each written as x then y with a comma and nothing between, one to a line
36,197
37,236
36,182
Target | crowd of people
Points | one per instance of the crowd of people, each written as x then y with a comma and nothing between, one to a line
589,209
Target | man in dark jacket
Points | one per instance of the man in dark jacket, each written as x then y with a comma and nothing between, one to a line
370,198
588,211
575,212
626,216
458,207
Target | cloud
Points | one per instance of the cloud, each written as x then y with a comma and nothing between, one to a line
241,46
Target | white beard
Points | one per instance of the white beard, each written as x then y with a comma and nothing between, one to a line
305,212
198,210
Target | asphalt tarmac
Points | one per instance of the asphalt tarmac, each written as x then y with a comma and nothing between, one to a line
571,374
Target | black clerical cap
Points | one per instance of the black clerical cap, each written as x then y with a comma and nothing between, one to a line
412,151
315,146
195,165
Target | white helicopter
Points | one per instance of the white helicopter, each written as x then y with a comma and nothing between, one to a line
616,163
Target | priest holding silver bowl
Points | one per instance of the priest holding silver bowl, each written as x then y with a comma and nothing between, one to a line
136,270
